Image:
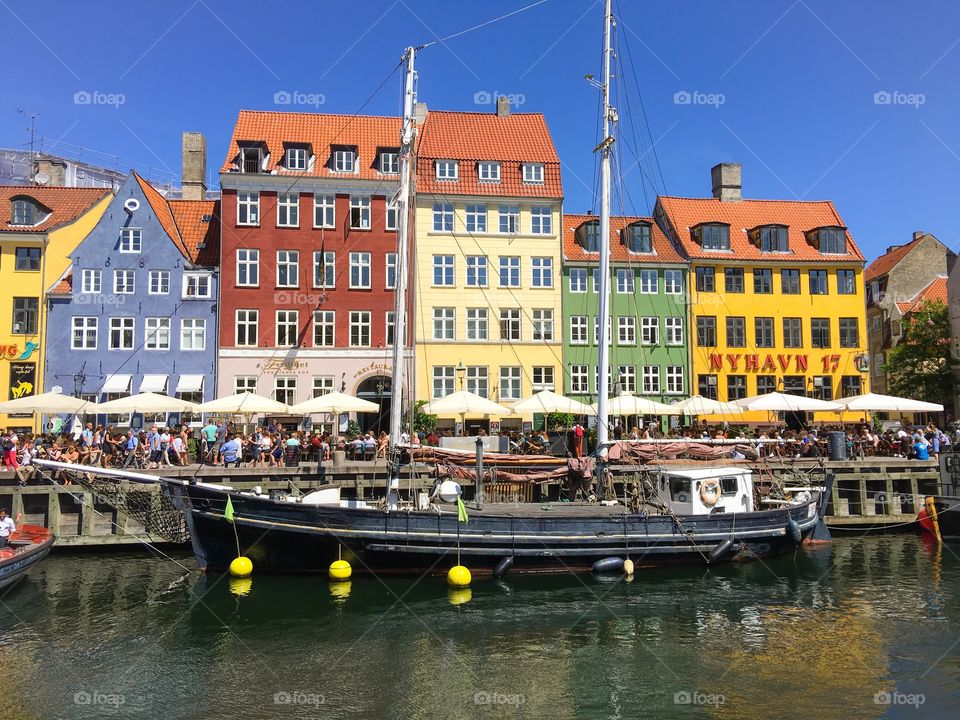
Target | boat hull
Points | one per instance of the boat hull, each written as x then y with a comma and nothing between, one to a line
15,565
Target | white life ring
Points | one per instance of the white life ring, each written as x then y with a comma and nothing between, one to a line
710,492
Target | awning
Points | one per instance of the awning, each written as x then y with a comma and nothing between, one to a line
116,384
153,384
190,384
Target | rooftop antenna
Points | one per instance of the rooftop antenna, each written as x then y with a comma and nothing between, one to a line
33,126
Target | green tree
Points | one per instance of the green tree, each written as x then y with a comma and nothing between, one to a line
919,366
423,422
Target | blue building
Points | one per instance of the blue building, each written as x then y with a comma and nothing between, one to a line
137,310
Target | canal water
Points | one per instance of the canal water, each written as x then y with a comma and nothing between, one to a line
864,628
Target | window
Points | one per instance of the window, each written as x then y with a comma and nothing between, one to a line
156,333
248,268
509,219
820,332
510,384
846,282
443,379
533,173
443,217
714,237
579,379
488,171
359,328
707,331
131,241
595,274
391,264
763,327
324,269
360,270
818,282
250,160
476,218
509,271
649,282
589,236
248,328
478,380
673,329
324,324
193,334
651,378
736,332
285,389
705,279
510,324
578,280
823,387
287,327
324,211
196,285
792,333
391,322
627,330
477,326
541,220
248,208
707,386
26,314
444,320
447,170
608,338
766,384
244,383
674,375
288,268
733,280
650,330
543,378
736,387
84,333
541,271
476,271
578,329
543,324
90,281
673,282
773,238
123,282
625,281
762,281
443,270
390,163
288,210
121,333
832,240
638,238
24,213
390,216
849,332
344,160
627,378
850,385
790,282
360,212
296,158
322,385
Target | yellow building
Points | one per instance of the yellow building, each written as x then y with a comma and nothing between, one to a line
487,310
776,296
39,228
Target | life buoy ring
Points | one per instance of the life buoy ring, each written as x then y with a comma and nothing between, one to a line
710,492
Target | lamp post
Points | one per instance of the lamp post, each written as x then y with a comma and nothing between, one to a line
461,372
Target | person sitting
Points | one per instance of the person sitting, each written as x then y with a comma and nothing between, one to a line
369,447
230,452
382,443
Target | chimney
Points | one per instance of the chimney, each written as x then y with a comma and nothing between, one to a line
193,181
891,248
503,106
917,234
419,113
52,171
726,181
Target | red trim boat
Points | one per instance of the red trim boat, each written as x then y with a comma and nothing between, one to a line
28,546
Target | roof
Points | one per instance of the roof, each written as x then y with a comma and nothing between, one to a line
935,291
471,136
889,260
65,204
742,215
63,286
182,220
275,129
663,249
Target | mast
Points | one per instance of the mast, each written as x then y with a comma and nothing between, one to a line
400,290
603,360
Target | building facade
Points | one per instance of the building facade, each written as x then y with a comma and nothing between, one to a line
308,260
776,295
39,227
487,268
649,351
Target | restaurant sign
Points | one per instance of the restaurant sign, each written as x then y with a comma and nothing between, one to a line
23,378
751,362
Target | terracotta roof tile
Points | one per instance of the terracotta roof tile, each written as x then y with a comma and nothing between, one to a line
935,291
743,215
63,286
663,249
199,224
65,204
888,261
162,211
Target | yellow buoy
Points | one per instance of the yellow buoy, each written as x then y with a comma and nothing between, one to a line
241,567
459,596
458,576
241,585
340,590
340,570
628,567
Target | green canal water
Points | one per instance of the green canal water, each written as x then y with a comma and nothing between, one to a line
864,628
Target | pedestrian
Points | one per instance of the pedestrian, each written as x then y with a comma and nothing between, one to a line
209,435
131,447
219,439
7,528
10,442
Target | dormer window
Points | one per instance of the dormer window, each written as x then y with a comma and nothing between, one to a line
488,172
770,238
296,158
712,236
251,160
588,235
533,173
832,240
344,160
638,238
390,162
447,170
26,212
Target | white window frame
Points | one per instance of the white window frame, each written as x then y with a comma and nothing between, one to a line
509,219
543,378
389,163
541,272
579,379
288,209
542,320
649,281
514,318
448,170
88,327
285,389
248,208
361,321
329,280
674,377
361,205
579,330
390,215
195,330
581,276
361,265
323,385
197,285
511,382
673,330
156,333
244,383
673,282
289,260
478,380
627,377
650,330
443,381
443,217
510,264
296,158
625,281
250,321
541,220
533,173
444,271
122,325
478,271
651,379
162,278
444,324
325,324
121,277
91,281
488,171
284,320
475,218
131,240
324,208
626,330
344,161
390,263
248,263
478,324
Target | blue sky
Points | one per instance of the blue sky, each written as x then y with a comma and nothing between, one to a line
855,101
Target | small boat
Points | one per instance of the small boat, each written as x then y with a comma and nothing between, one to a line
28,546
945,520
